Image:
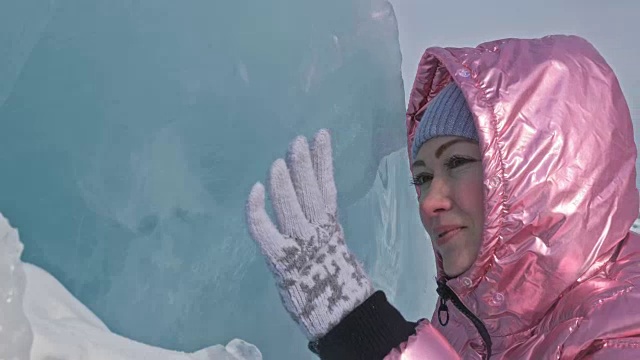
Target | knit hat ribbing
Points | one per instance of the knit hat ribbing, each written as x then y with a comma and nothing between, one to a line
447,115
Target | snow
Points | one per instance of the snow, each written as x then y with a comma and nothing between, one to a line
58,326
15,330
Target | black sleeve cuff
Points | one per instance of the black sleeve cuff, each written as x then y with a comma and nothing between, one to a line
369,332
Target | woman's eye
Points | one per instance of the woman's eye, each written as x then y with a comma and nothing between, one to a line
456,161
421,179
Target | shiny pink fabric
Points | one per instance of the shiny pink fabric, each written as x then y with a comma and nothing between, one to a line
435,346
558,273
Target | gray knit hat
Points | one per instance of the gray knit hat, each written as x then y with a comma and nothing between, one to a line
447,115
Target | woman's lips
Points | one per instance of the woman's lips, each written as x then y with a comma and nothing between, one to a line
448,235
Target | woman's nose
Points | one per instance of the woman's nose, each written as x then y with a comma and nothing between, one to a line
436,199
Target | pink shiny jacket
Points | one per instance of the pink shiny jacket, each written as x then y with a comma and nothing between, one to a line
558,274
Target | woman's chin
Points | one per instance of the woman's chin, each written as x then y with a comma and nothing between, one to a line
455,269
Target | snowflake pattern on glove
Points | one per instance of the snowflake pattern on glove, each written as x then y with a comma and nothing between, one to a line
319,280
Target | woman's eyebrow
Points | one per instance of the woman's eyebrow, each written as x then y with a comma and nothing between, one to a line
448,144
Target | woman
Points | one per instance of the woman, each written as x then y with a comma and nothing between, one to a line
523,158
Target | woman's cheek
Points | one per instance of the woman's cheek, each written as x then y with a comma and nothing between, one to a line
423,214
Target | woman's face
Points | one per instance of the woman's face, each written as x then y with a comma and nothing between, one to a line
448,172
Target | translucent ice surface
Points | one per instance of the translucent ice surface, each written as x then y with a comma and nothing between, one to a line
133,131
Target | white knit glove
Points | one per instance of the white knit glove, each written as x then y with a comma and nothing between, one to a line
319,280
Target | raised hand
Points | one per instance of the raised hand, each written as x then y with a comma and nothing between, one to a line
318,278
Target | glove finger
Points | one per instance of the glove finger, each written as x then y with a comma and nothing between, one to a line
322,159
291,219
272,244
305,182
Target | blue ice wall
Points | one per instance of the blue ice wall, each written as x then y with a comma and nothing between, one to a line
132,130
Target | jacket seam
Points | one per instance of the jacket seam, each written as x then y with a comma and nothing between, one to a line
499,151
591,310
